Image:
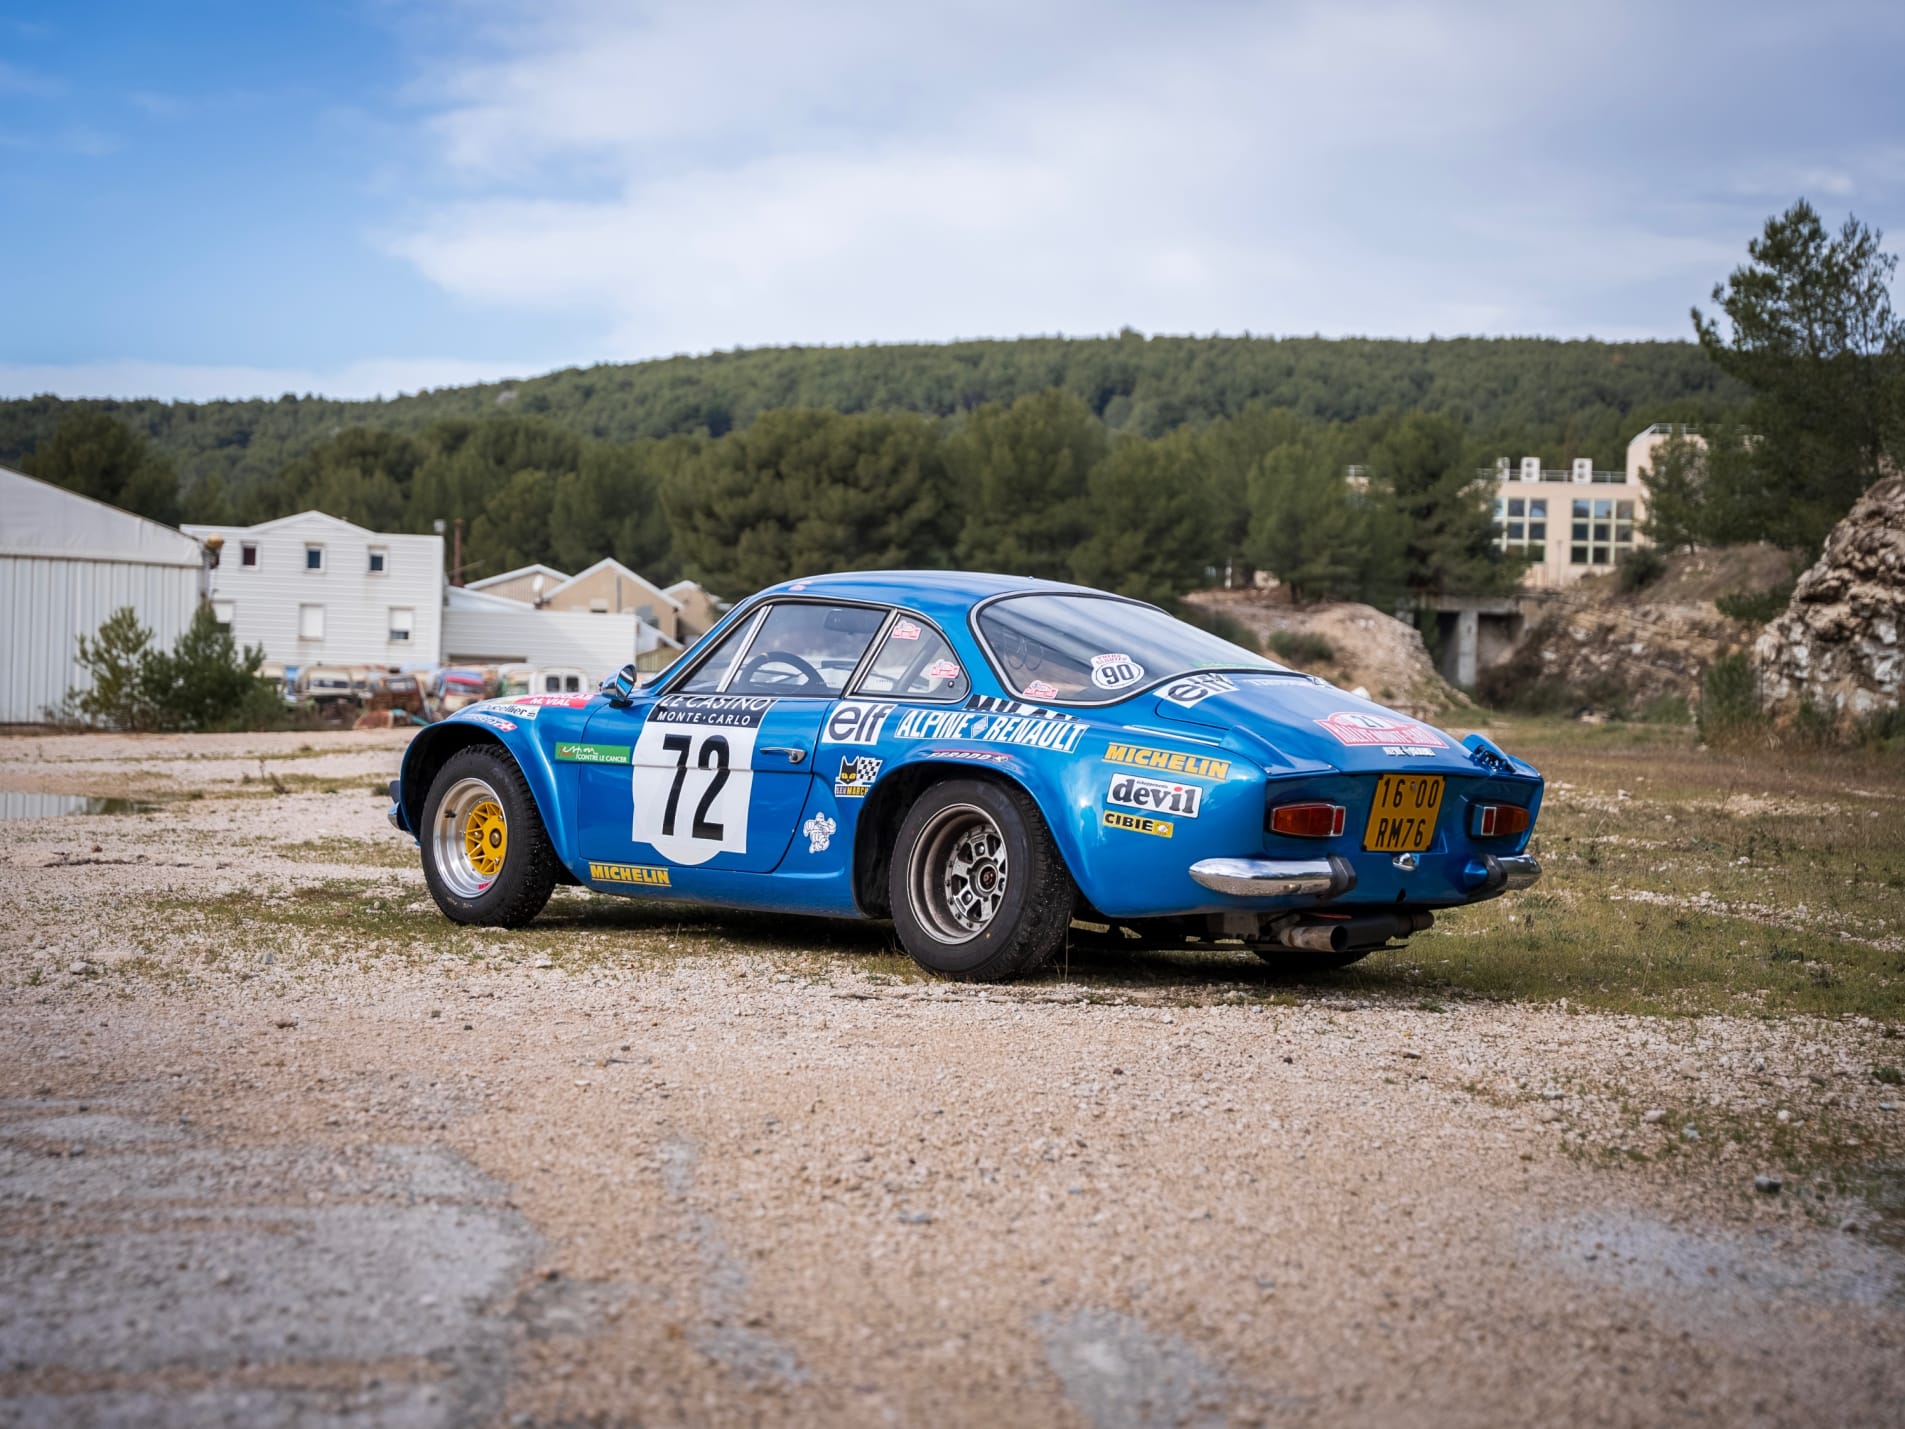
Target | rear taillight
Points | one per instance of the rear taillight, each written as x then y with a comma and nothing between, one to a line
1496,821
1308,821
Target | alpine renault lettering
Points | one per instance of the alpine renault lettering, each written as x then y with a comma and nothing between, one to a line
988,761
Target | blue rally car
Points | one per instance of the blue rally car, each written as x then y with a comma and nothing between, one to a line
986,760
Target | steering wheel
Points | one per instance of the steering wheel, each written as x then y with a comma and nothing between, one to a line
808,674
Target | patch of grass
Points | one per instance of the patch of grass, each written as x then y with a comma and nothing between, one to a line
1301,647
1888,1076
1756,607
395,852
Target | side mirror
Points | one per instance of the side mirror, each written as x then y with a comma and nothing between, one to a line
620,687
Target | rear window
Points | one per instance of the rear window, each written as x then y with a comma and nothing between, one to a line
1093,649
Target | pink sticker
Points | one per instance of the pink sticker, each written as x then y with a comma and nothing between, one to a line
568,702
1041,690
942,670
1356,727
905,630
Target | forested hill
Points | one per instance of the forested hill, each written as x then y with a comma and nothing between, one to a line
1562,399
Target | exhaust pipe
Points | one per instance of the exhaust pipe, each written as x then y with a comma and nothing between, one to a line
1343,935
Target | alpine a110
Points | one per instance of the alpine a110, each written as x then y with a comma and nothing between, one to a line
994,764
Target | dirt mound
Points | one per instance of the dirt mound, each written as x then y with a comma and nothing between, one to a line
1837,645
1352,646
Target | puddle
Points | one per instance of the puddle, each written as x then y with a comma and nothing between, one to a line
52,806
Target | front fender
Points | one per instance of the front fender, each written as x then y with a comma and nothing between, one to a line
433,746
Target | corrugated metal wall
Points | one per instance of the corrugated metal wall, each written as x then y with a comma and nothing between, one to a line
47,603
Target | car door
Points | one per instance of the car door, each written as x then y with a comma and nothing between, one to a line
715,773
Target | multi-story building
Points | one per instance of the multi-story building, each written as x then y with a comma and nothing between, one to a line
316,590
1573,521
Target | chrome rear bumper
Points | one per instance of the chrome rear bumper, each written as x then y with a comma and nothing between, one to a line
1276,877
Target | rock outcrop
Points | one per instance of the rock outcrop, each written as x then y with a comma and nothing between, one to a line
1837,646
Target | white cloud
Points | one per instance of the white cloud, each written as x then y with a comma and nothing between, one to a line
698,177
187,382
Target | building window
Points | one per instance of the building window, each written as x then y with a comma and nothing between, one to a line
1600,532
314,558
223,611
379,560
598,607
403,620
248,553
1521,525
310,622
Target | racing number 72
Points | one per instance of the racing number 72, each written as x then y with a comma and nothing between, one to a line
714,754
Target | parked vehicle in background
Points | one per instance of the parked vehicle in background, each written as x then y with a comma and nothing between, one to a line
457,686
985,760
330,690
544,680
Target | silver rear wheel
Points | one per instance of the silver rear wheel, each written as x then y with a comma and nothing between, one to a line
957,872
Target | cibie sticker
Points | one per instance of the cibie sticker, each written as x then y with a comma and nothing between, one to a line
905,630
493,721
819,830
1192,689
1041,690
857,773
1359,727
1115,672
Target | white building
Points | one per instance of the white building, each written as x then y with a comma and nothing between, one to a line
484,629
315,590
1578,520
68,562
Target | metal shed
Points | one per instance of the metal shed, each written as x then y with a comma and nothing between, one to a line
67,562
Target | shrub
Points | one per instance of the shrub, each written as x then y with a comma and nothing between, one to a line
204,682
1301,647
1667,709
1639,568
1730,711
1756,607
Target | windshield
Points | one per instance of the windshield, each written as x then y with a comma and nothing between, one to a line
1094,649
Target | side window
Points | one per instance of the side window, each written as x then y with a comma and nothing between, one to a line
707,680
806,649
915,663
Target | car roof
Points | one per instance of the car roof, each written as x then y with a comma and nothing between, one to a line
943,595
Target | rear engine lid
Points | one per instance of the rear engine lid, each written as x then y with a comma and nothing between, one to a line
1307,719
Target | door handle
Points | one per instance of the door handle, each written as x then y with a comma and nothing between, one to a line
794,756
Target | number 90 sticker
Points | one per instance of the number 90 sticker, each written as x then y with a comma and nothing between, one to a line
694,776
1115,672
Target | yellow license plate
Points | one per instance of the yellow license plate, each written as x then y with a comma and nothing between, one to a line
1402,820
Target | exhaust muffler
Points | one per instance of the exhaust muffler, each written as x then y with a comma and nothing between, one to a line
1345,935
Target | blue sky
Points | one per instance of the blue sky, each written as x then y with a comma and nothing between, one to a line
366,196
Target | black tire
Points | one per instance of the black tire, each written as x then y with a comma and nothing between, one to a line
465,888
1031,904
1298,961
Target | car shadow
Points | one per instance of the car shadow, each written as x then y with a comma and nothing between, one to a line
869,946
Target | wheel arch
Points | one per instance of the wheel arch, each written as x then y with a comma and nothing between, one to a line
435,746
886,808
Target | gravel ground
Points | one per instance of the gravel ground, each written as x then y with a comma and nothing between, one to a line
638,1167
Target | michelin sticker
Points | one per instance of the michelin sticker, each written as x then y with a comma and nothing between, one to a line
857,773
1115,672
1192,689
694,775
819,830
